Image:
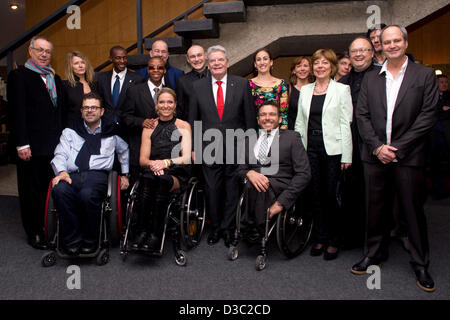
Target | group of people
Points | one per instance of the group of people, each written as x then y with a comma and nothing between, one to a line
334,117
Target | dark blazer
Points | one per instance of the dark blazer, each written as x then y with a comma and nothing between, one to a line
139,105
238,113
184,91
104,89
170,78
293,173
72,101
414,114
35,120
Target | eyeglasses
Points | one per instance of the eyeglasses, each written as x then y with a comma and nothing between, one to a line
90,108
159,51
156,68
360,50
41,50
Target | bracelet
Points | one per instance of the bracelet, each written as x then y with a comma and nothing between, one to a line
167,162
65,174
379,150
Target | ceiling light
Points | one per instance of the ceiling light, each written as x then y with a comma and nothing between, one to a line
14,7
438,72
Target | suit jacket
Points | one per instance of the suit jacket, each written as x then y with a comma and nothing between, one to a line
35,120
72,101
139,105
170,78
415,113
238,112
184,91
293,173
337,116
104,89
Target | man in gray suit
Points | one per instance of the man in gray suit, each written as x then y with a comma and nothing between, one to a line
396,111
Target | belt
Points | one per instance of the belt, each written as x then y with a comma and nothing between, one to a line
315,132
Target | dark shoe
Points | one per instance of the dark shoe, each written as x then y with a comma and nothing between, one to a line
361,267
317,249
213,237
37,242
72,250
152,244
139,240
253,237
331,253
227,238
424,280
88,248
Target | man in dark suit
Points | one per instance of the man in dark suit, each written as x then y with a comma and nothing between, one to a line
394,118
220,102
160,49
113,84
196,57
34,94
277,171
138,111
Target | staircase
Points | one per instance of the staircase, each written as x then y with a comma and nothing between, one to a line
286,27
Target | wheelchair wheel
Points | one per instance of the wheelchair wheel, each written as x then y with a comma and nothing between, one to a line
49,259
260,262
193,214
103,257
180,258
233,253
293,231
50,216
114,209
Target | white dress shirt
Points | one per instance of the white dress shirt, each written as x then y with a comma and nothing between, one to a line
152,87
121,79
270,137
215,86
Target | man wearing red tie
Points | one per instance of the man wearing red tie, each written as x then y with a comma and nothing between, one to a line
220,101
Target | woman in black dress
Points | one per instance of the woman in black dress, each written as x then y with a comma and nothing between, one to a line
301,74
164,168
79,81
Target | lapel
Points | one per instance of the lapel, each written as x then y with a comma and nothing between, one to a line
147,99
380,86
329,95
309,90
108,80
126,84
275,142
408,79
229,96
211,103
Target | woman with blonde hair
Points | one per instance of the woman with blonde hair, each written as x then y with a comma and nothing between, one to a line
79,76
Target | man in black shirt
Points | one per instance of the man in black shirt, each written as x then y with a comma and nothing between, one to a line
197,59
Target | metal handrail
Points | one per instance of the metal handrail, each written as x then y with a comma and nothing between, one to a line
51,19
184,15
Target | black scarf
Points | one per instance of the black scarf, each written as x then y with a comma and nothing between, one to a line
92,142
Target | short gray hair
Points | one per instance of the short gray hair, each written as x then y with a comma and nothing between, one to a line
217,48
403,30
33,40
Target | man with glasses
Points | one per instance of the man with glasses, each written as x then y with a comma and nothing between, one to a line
34,94
160,49
139,111
81,163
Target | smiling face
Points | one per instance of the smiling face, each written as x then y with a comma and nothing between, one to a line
166,105
196,58
78,66
322,68
119,59
302,70
269,117
394,45
41,52
263,62
361,54
160,49
156,70
91,112
218,64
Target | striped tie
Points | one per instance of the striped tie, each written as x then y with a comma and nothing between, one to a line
263,150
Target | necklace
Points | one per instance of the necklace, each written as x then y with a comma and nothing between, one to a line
317,90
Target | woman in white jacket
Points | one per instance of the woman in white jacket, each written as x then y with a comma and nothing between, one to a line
323,120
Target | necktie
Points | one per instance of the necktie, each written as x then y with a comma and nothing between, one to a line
155,94
116,91
220,103
263,150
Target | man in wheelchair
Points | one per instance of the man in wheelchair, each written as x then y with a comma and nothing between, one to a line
277,170
81,163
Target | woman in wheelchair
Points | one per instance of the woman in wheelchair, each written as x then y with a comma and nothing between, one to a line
163,169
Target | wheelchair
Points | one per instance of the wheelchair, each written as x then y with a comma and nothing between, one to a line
293,229
184,219
110,226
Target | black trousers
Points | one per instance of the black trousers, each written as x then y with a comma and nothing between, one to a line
222,195
383,182
325,172
33,178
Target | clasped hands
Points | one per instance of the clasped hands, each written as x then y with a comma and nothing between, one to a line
386,154
157,167
262,184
